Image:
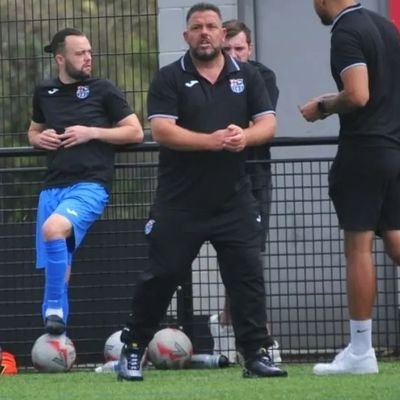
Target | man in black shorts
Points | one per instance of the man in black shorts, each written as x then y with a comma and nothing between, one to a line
200,107
364,180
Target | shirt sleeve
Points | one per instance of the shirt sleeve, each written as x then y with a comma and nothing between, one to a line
115,103
37,113
346,51
273,91
162,100
258,97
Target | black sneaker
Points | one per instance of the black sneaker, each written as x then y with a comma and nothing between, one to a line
54,325
260,365
131,363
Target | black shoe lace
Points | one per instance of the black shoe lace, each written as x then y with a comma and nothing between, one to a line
265,358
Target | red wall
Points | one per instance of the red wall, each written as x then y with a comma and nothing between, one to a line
394,11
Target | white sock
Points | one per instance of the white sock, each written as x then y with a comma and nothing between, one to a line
54,311
361,336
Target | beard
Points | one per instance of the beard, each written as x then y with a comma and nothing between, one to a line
203,56
325,20
76,74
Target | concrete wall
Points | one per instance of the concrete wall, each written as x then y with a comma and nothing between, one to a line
172,23
291,40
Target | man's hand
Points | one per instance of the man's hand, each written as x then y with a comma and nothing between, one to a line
235,139
311,112
75,135
48,139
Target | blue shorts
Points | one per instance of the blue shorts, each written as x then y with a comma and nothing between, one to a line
82,204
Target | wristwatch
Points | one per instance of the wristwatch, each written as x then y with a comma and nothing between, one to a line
322,109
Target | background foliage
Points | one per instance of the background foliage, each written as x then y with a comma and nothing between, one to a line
124,40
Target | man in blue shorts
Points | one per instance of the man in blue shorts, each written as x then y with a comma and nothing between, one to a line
364,181
77,119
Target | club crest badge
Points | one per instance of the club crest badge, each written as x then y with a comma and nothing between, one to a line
82,92
237,85
149,226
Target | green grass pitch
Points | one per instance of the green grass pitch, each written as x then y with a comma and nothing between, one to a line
211,384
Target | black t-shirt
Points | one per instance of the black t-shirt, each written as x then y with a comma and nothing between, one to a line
94,102
362,37
259,170
205,180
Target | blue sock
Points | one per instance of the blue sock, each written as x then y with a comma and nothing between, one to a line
65,303
57,260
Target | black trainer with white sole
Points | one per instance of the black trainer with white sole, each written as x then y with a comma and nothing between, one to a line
131,363
54,325
260,365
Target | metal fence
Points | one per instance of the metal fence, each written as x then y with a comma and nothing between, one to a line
124,39
303,261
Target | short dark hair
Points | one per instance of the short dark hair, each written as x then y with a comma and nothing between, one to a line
58,42
234,27
203,7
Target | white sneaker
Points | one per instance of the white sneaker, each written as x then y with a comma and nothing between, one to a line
224,341
348,363
224,338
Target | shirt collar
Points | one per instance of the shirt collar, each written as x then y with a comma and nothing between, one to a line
344,12
231,65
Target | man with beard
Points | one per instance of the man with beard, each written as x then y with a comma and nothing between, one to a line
77,120
199,108
364,180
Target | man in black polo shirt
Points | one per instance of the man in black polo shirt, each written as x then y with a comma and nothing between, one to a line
364,181
77,120
200,108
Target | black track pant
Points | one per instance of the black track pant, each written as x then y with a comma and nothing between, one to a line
175,239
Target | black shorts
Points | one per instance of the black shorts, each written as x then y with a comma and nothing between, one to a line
364,185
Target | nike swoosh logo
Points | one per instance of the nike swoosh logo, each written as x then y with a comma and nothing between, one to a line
52,91
191,83
72,212
361,331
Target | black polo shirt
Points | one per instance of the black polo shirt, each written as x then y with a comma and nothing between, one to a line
362,37
94,102
205,180
259,170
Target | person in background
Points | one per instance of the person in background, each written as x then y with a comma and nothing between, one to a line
77,119
364,179
238,44
199,108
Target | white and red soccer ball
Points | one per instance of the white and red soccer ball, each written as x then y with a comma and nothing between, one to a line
170,349
113,347
53,353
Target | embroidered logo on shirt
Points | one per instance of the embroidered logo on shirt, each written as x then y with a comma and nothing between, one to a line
52,91
237,85
82,92
191,83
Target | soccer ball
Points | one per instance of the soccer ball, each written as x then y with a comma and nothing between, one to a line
113,347
53,353
170,349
